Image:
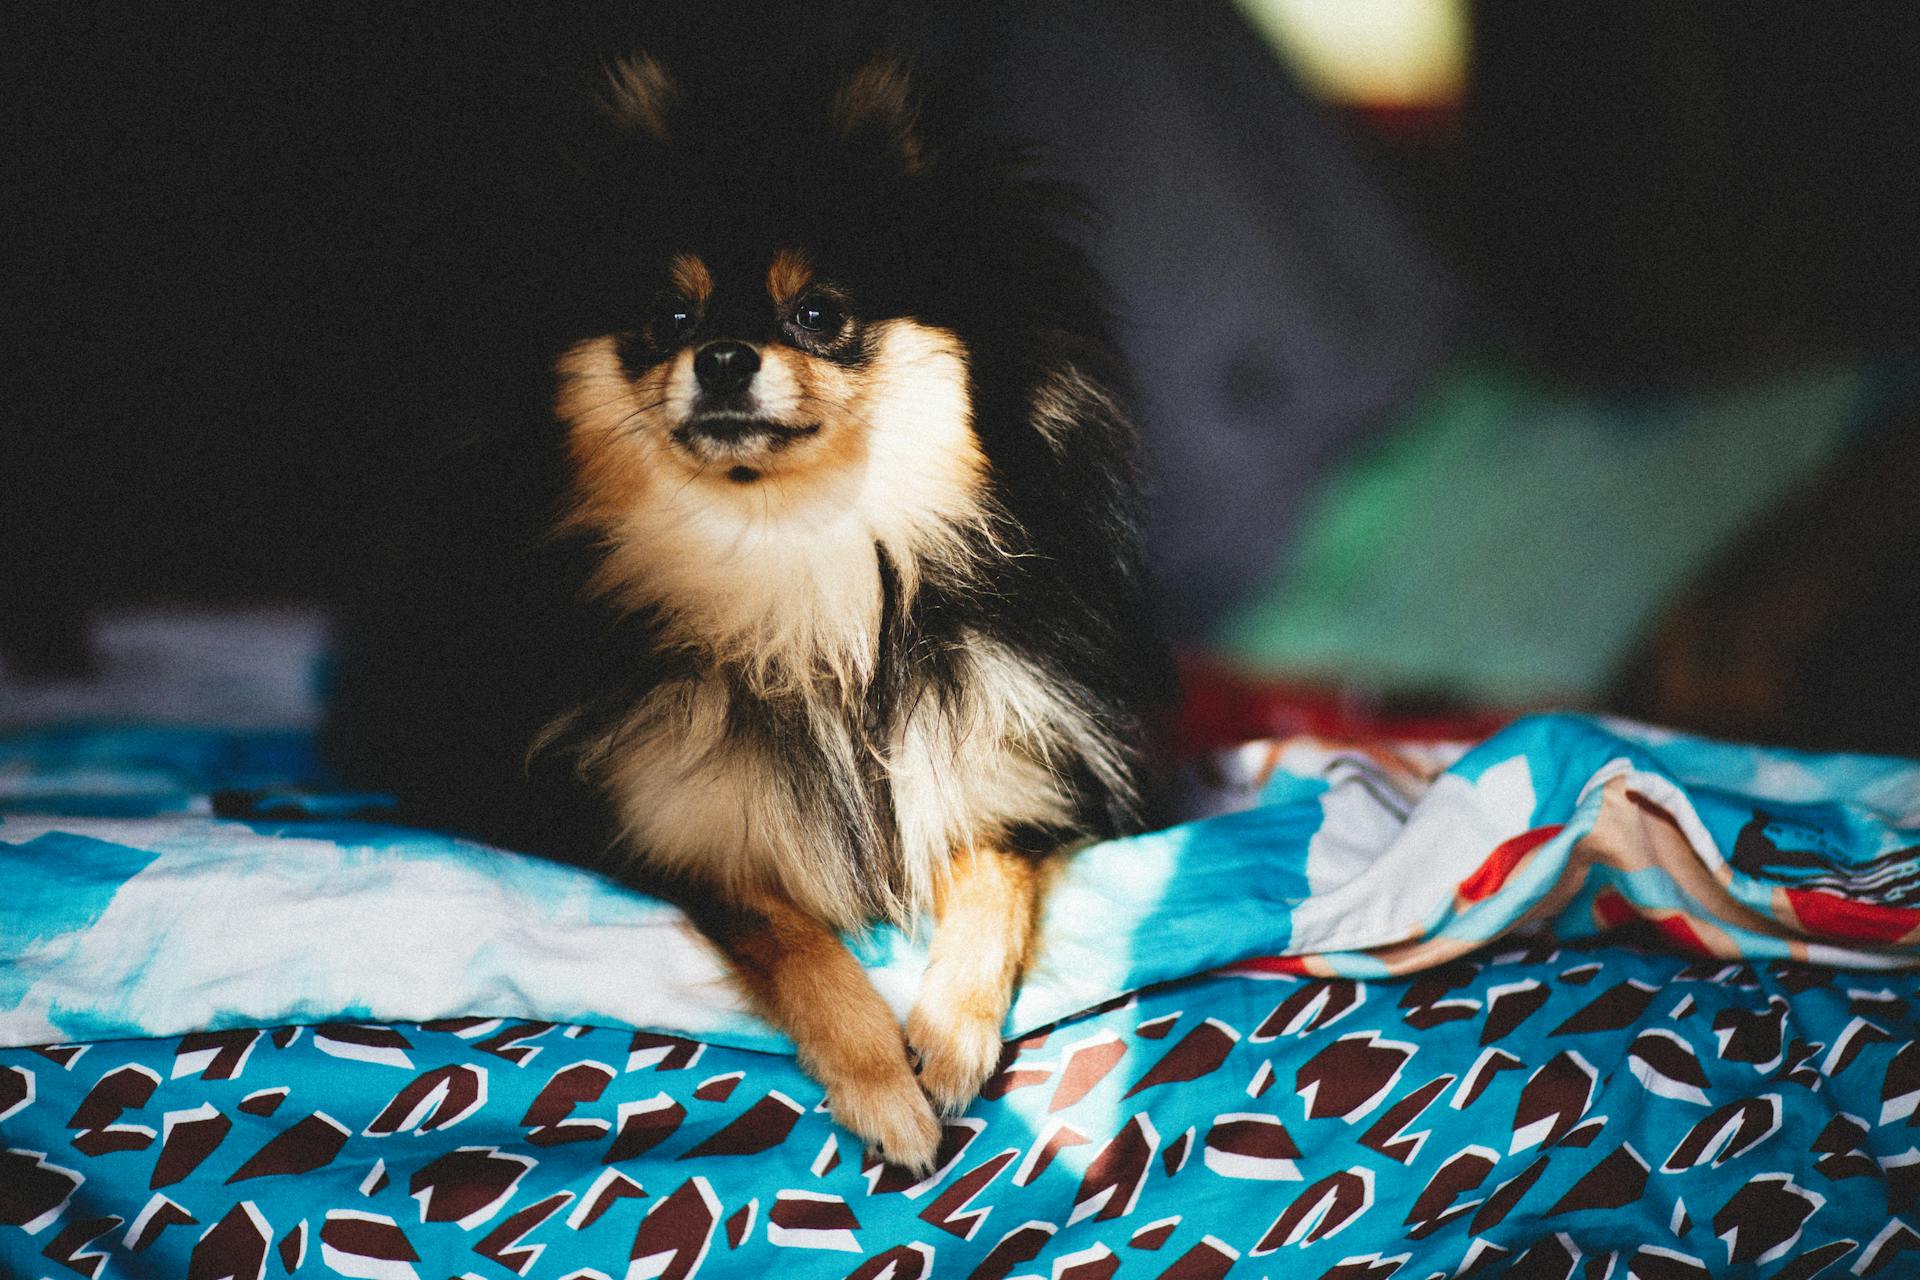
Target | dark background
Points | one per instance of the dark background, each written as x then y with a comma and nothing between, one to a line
237,232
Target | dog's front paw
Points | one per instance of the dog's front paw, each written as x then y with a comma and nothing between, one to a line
958,1051
888,1112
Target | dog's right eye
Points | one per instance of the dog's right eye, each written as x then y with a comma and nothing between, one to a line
672,320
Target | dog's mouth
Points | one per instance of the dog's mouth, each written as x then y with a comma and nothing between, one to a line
714,437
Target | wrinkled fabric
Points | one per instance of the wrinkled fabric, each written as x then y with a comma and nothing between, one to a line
1273,1040
135,909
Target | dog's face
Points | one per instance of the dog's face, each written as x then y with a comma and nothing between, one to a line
755,366
747,375
775,393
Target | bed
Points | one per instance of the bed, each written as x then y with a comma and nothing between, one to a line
1582,998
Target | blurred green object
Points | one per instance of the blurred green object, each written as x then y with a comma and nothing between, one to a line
1507,541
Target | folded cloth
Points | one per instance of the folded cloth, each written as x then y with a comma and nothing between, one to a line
135,909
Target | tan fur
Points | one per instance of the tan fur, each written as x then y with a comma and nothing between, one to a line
778,578
988,909
773,585
639,95
788,277
879,97
703,803
691,277
804,981
777,584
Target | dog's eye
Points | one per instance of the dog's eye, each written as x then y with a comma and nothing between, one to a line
819,315
672,320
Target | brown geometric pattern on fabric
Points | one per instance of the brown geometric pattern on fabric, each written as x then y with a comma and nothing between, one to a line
1561,1113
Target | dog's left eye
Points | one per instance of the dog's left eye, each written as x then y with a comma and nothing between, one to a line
819,315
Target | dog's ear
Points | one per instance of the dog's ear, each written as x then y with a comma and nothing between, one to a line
875,107
639,96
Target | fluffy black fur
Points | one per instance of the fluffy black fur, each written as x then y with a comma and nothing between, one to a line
472,633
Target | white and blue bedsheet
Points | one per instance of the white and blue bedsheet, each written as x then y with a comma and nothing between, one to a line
1361,1025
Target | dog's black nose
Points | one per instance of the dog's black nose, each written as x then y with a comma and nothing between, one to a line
725,367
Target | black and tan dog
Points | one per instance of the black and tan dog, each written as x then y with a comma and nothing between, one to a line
817,600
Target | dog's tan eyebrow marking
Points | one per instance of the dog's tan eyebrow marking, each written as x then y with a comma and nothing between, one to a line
790,272
691,277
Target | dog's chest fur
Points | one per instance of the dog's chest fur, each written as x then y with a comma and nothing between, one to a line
848,801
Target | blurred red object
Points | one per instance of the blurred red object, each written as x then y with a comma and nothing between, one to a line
1222,707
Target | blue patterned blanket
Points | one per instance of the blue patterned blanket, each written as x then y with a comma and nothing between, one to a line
259,1032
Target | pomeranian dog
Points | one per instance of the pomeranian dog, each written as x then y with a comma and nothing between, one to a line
812,596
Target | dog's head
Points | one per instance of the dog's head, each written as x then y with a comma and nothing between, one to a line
784,381
772,330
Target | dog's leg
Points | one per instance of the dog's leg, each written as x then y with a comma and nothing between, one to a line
803,980
987,911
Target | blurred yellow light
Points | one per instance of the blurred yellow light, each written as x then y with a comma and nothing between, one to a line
1377,52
